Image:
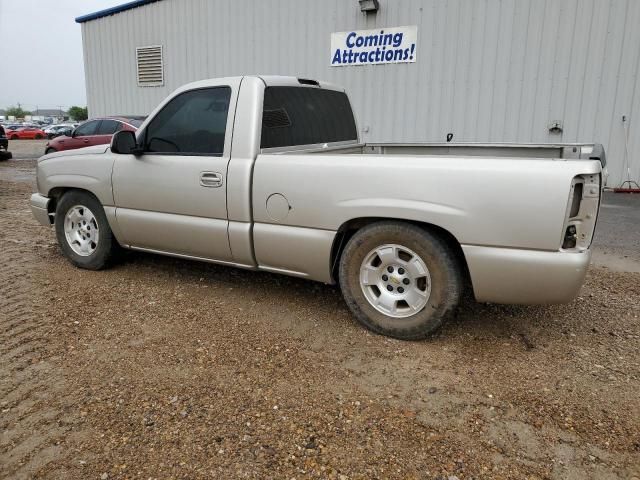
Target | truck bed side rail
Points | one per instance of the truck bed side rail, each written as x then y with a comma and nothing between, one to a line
592,151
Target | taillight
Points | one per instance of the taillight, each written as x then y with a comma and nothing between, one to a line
582,211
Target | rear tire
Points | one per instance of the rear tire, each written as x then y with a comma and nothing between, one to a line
83,232
14,137
400,280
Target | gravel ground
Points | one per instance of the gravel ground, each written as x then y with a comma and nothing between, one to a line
161,368
26,149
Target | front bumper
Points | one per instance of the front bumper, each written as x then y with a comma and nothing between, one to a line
40,207
514,276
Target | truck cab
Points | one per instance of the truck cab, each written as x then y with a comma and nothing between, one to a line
185,149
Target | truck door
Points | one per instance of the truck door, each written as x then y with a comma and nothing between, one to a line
172,198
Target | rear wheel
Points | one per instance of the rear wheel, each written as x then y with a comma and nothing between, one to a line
400,280
14,137
83,232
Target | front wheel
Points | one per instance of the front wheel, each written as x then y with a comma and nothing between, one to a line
49,150
83,232
14,137
38,136
400,280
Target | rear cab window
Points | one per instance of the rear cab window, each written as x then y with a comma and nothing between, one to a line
306,116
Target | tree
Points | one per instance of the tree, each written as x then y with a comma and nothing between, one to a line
78,113
17,112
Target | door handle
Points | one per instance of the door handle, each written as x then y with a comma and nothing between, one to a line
86,140
210,179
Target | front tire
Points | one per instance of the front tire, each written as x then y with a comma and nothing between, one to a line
38,136
400,280
83,232
49,150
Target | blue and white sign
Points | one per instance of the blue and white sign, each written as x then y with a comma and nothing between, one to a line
371,47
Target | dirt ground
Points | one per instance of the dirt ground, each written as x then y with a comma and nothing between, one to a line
25,149
161,368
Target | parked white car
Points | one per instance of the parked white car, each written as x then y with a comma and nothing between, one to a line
58,129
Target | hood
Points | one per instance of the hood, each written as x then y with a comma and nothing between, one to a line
92,150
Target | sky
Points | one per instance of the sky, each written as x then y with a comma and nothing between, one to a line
41,52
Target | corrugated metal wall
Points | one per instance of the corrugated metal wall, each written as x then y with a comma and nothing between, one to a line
486,70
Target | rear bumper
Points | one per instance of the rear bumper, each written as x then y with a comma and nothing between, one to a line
508,275
40,207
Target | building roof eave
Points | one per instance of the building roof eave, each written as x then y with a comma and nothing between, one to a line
113,10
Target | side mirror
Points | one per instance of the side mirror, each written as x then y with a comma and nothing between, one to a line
70,133
124,142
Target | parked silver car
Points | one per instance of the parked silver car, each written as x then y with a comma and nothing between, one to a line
268,173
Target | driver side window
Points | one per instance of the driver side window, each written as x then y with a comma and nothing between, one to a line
88,128
193,123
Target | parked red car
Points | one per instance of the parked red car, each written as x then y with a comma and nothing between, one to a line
97,131
23,133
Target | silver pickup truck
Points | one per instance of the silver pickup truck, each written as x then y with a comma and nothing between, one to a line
268,173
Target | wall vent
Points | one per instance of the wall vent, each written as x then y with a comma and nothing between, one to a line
149,66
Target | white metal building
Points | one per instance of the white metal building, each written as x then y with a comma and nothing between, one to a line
485,70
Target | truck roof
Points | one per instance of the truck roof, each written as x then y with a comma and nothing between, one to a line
268,80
